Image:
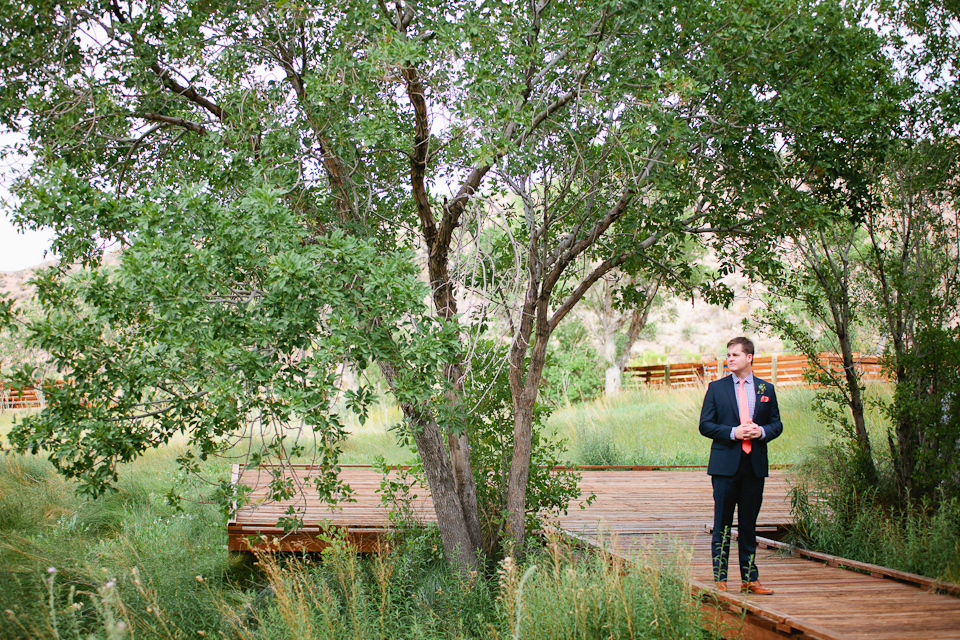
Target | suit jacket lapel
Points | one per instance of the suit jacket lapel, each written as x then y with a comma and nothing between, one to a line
756,405
732,396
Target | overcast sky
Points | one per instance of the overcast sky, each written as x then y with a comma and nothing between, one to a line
19,251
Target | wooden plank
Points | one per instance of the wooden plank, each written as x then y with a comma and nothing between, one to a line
779,619
830,602
874,570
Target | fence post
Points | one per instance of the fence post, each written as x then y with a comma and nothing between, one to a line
666,375
773,370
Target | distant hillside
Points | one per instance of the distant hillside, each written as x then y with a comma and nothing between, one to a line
12,351
680,330
686,327
15,284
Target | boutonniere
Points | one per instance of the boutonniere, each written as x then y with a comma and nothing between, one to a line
761,389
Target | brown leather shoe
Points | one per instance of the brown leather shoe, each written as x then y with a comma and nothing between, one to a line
721,585
755,587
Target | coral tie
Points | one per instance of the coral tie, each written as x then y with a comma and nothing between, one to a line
745,416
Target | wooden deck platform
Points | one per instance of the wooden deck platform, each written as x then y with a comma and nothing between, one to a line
363,521
654,511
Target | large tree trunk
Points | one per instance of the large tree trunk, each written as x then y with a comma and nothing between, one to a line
458,544
856,407
459,446
835,279
519,471
897,313
905,452
459,547
524,390
613,381
438,240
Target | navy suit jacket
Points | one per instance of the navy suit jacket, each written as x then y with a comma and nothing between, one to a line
720,414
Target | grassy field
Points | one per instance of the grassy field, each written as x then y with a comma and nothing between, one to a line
129,566
657,426
374,438
647,426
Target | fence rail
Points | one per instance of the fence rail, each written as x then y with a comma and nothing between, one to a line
782,370
26,398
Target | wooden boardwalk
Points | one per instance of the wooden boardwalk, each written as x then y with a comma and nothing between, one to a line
363,520
638,512
643,512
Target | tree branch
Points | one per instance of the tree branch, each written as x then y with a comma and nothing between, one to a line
638,322
166,77
565,253
454,208
187,92
418,160
332,163
601,270
178,122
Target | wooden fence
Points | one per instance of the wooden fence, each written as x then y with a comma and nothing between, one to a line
26,398
781,370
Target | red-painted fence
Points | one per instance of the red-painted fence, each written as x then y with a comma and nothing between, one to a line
781,370
26,398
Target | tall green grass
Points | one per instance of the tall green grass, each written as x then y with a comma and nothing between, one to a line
400,593
836,515
130,538
661,426
594,598
645,426
128,565
375,438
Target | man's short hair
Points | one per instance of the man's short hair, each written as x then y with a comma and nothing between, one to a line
746,343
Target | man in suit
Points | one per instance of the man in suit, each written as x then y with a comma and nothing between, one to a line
740,414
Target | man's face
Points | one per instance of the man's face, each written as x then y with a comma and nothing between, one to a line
737,361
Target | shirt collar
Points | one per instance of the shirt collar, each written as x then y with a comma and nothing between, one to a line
748,378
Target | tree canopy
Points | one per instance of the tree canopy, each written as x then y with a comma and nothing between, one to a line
239,151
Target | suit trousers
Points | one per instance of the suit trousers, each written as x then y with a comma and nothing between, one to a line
743,491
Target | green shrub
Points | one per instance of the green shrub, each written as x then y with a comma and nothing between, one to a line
834,514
